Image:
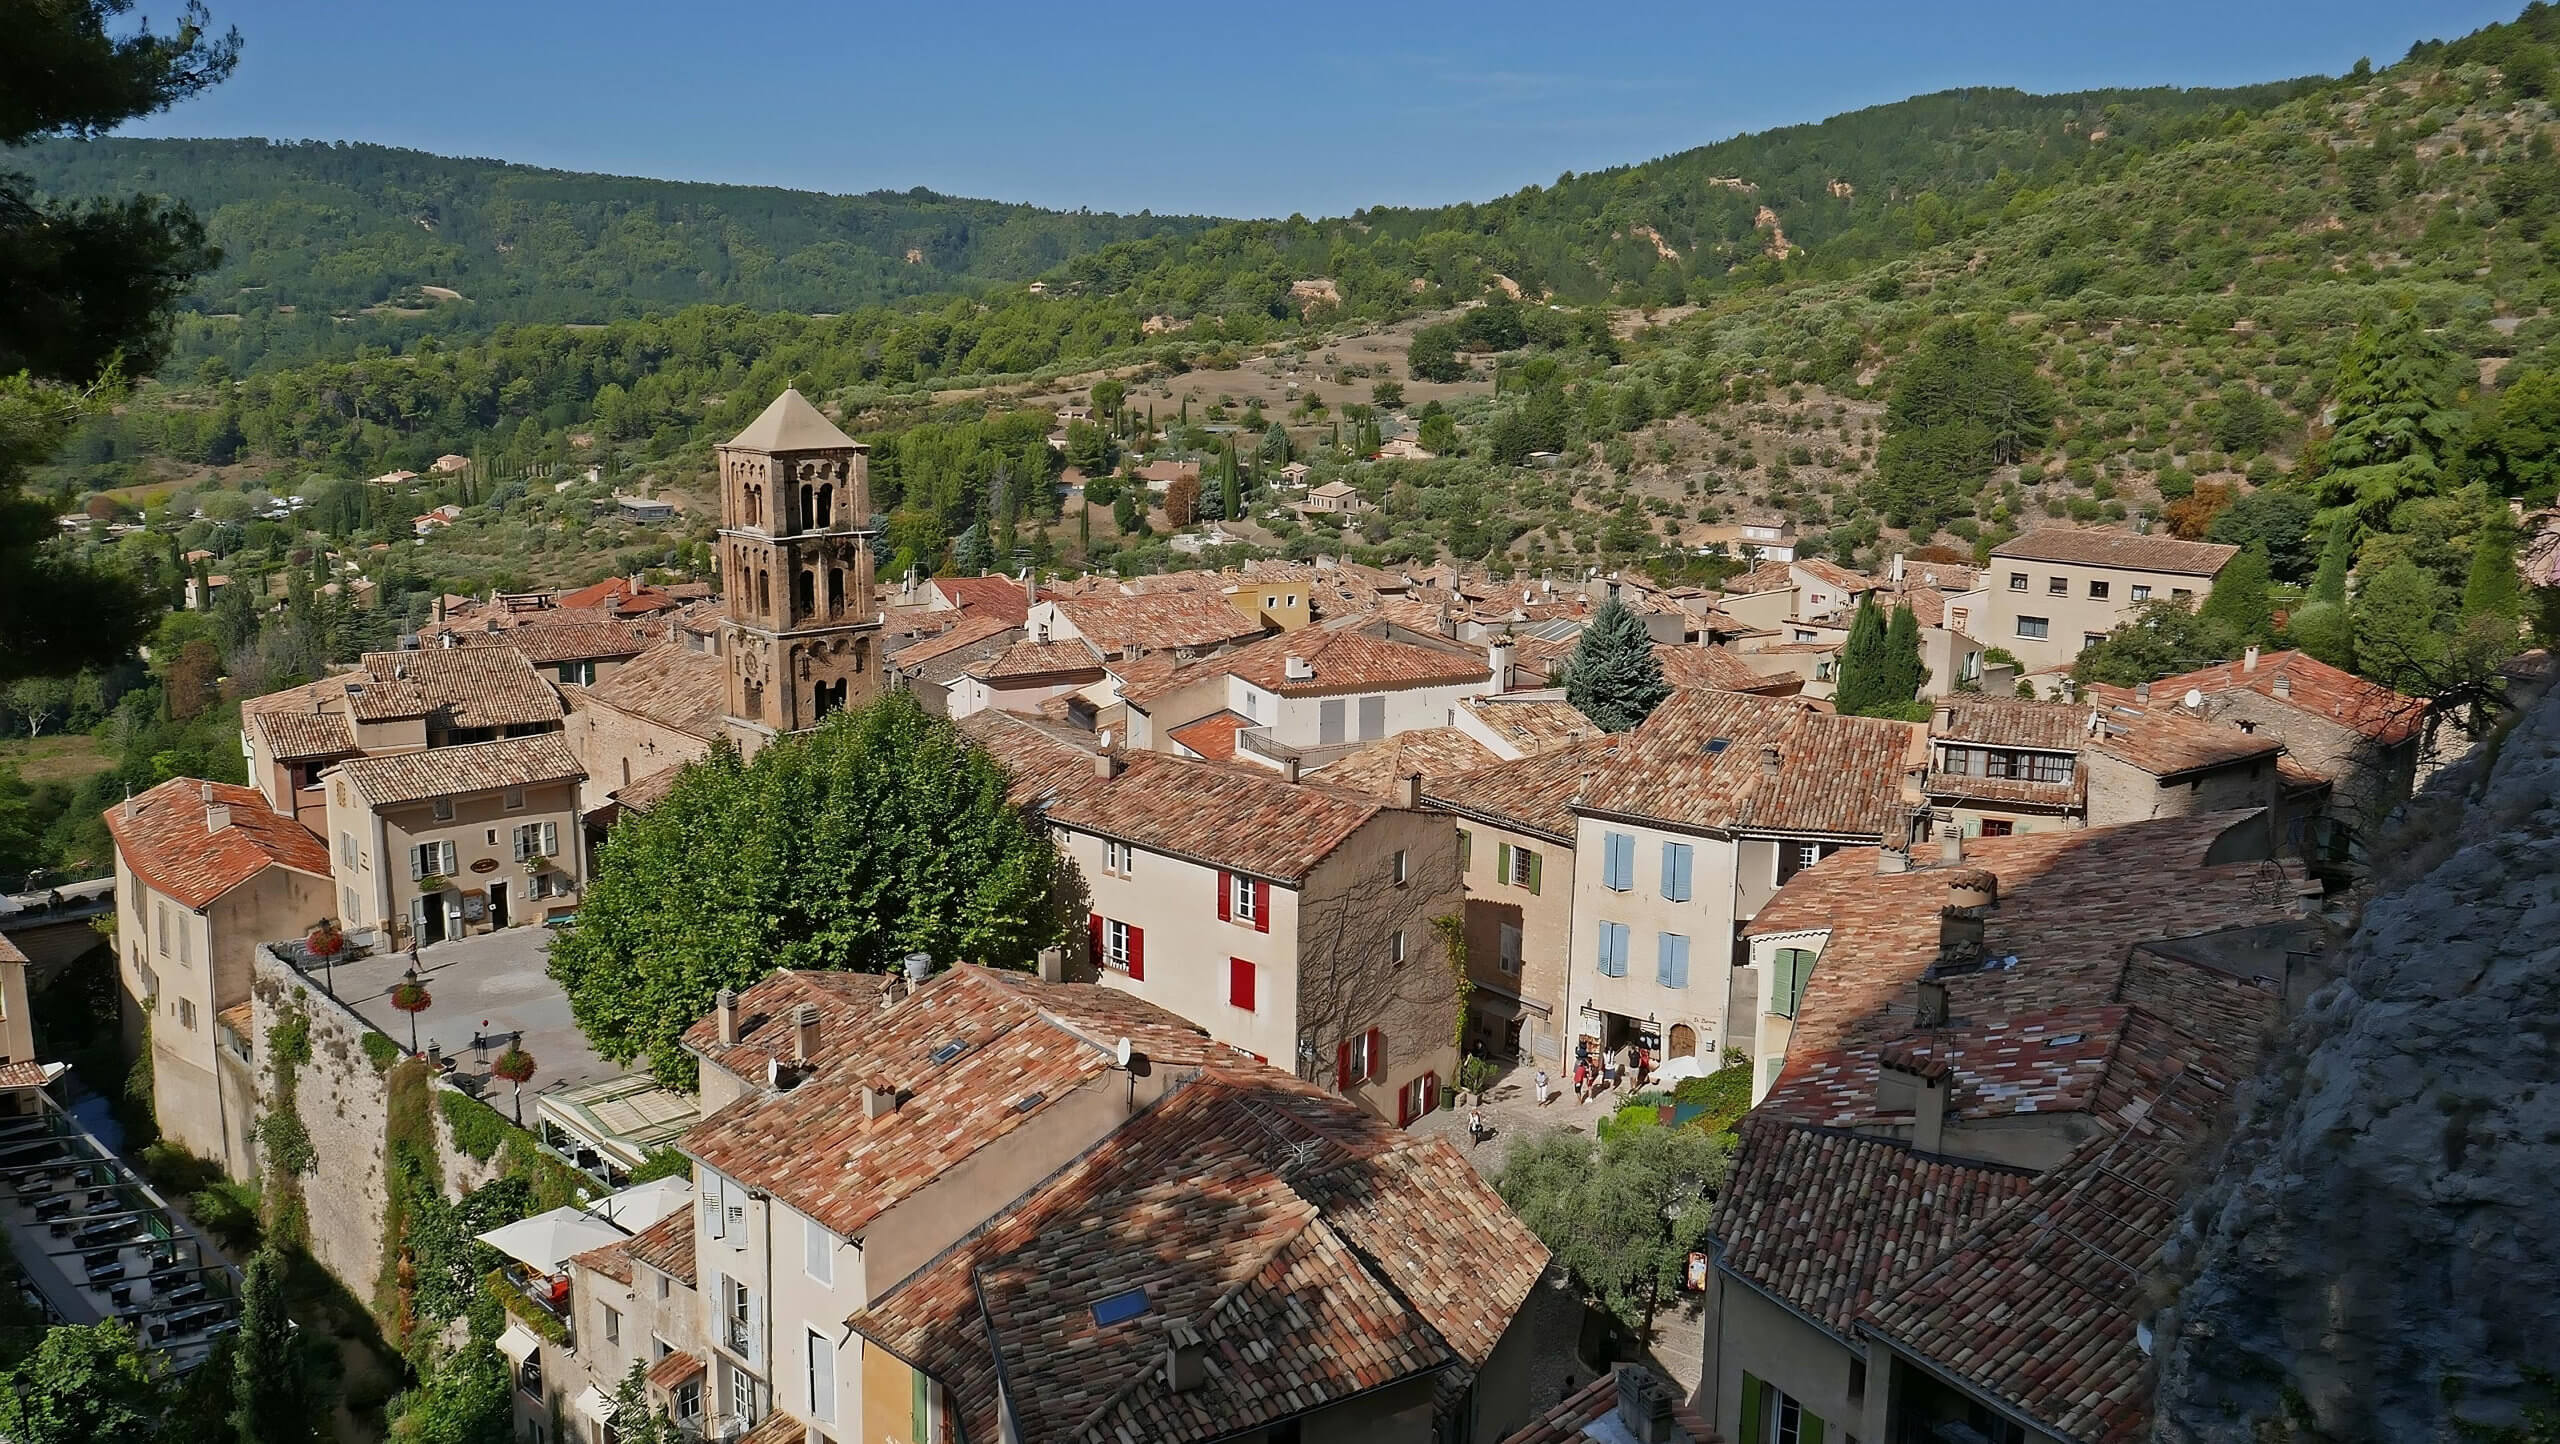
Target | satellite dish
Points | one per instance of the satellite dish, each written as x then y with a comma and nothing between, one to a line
1120,1053
2194,697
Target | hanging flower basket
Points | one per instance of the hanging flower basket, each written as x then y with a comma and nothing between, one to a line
515,1065
325,941
411,997
434,883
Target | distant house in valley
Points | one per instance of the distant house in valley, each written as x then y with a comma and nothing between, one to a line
641,508
1337,498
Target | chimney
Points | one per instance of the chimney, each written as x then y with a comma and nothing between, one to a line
1769,759
1644,1405
804,1033
1498,657
1186,1357
2142,692
1107,765
1891,859
1030,587
1932,1008
919,967
1897,566
2284,688
2249,660
727,1008
1950,843
1053,965
1959,940
879,1098
1943,717
1289,769
1928,1106
217,816
1409,790
1298,669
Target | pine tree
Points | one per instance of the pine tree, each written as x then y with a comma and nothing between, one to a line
1865,678
2494,589
1614,676
2239,597
271,1398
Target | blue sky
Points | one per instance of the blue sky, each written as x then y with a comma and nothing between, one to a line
1315,106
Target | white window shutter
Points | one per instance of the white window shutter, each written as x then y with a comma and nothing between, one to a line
550,839
417,863
450,863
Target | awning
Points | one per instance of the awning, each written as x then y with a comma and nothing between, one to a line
595,1406
547,1240
518,1343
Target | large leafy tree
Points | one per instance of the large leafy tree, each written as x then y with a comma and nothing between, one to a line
1621,1217
84,1384
880,834
89,284
1968,399
2239,599
2495,588
2399,638
2400,423
1614,676
2162,638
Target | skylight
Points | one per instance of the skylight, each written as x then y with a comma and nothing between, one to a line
951,1050
1120,1308
1028,1101
1718,744
2064,1040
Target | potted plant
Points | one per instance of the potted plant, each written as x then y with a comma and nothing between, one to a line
324,940
433,883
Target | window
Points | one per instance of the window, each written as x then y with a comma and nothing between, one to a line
537,839
2034,627
513,799
1769,1416
1788,973
2142,591
1118,857
2091,639
1795,857
1404,867
1373,718
1119,944
431,859
347,849
1508,941
1361,1058
160,928
347,903
612,1326
1617,861
443,807
1329,722
1417,1099
689,1402
2097,591
1677,858
2179,594
1240,897
1613,950
822,1378
186,942
2057,586
2017,581
1466,850
820,1248
1395,947
1671,960
1998,827
1240,983
187,1014
1518,867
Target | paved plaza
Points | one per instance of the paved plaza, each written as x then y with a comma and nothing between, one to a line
485,989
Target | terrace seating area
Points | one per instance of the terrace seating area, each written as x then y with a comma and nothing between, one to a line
97,1243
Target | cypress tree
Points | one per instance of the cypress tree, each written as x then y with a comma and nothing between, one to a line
2239,597
272,1403
1902,648
1231,491
2494,589
2329,584
1614,676
1865,679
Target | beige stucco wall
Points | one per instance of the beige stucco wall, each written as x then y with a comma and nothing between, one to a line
1762,609
482,829
1174,902
1747,1332
1545,921
1707,920
617,748
2074,614
2121,792
1349,914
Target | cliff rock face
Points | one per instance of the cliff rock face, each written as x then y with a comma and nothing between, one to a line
2379,1255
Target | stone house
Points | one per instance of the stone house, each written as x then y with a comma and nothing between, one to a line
1182,624
1307,697
1334,498
658,712
1022,677
2048,594
205,873
436,844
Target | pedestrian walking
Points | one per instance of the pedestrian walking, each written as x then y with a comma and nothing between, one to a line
1542,1087
1475,1127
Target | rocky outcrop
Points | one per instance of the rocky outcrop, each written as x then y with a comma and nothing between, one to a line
2378,1257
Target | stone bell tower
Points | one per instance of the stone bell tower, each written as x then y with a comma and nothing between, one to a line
802,630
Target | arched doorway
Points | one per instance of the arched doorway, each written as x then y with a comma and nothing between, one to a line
1684,1040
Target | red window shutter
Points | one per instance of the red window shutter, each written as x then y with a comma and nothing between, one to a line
1430,1092
1377,1054
1404,1106
1093,926
1137,953
1240,983
1261,906
1342,1067
1226,896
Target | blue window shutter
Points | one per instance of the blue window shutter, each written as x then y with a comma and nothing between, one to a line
1672,960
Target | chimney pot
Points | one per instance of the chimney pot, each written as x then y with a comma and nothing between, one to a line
1644,1405
1409,790
1933,1003
1289,769
2284,687
1053,965
1769,759
1945,716
2142,692
205,790
804,1033
2249,660
727,1008
1950,842
1186,1363
879,1099
1106,765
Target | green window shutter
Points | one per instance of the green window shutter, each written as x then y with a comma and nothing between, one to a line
917,1421
1808,1429
1502,864
1750,1410
1466,849
1535,872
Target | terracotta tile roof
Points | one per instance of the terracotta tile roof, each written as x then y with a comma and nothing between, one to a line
646,791
1569,1421
2165,742
1834,574
2096,547
2010,722
1033,662
1947,577
469,686
2313,686
677,1368
779,1427
1700,761
1350,661
1928,605
1241,818
1826,1220
24,1073
478,767
666,1246
847,1004
1531,722
669,684
970,628
1118,625
162,837
1041,762
981,598
365,698
1766,577
613,1260
2012,791
1214,736
300,736
1717,668
1533,794
1434,752
812,1147
546,643
1318,1253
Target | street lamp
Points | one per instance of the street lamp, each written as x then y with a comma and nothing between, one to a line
411,997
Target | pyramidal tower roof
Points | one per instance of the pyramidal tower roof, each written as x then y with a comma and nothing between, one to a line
791,424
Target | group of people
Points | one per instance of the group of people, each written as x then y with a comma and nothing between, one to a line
1596,1069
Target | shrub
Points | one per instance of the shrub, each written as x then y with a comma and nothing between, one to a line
380,1051
478,1129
